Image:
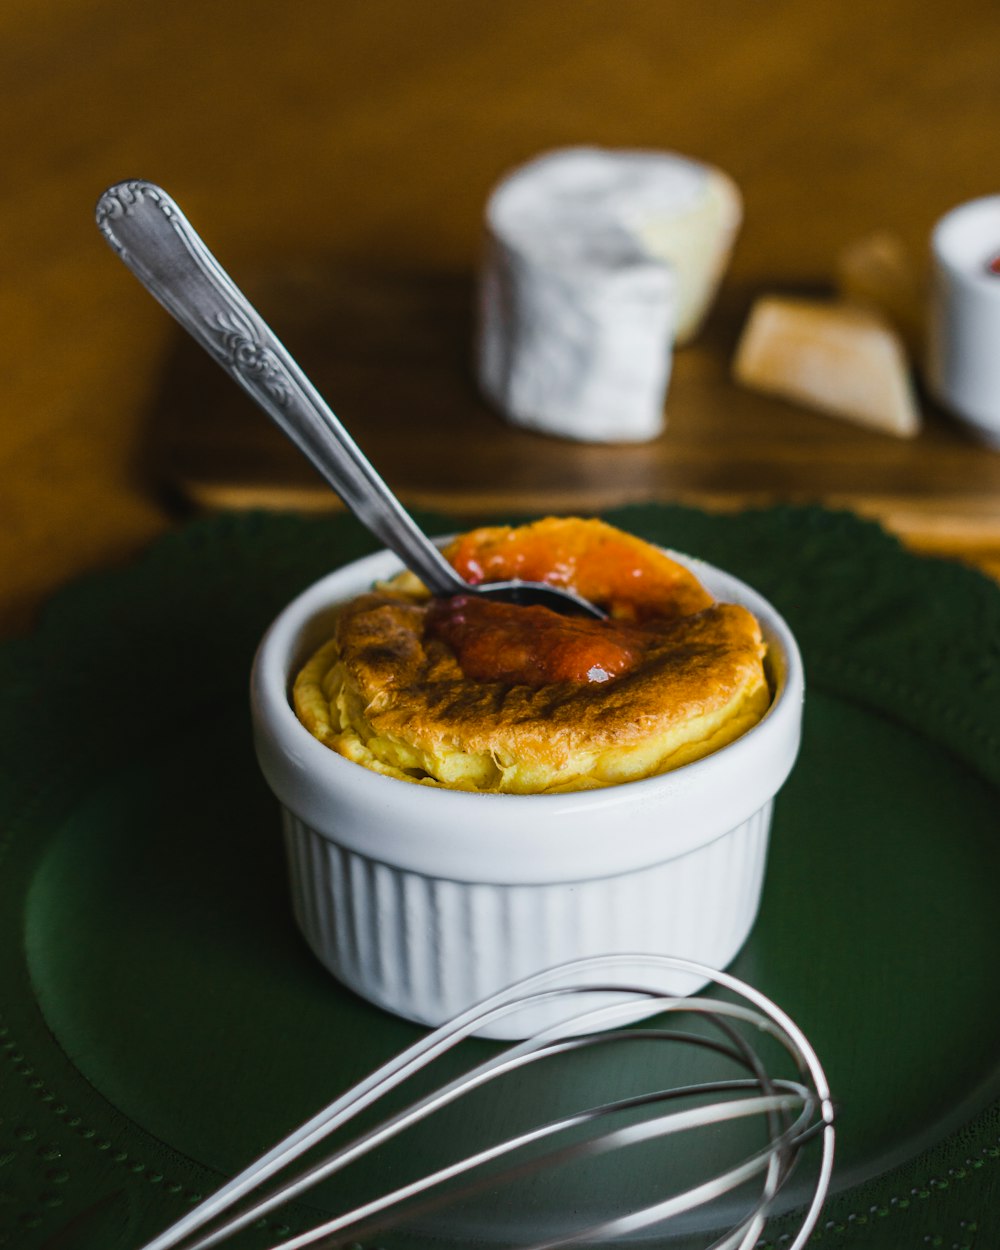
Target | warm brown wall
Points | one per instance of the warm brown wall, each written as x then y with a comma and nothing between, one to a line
373,128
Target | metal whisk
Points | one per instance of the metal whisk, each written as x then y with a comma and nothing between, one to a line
792,1110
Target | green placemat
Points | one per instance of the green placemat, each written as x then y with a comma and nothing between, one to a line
161,1022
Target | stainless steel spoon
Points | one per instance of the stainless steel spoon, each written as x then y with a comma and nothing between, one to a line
156,241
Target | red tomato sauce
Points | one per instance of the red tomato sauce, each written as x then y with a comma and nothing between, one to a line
635,583
532,646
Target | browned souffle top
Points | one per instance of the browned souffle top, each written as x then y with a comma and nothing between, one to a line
534,646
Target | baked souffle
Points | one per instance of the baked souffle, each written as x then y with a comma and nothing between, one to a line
472,694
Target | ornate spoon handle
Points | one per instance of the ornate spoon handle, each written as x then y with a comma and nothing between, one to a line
156,241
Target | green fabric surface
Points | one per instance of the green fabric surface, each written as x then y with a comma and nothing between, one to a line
161,1022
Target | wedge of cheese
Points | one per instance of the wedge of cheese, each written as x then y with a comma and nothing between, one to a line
878,272
840,359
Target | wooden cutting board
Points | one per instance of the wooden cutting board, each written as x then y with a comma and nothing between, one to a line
392,352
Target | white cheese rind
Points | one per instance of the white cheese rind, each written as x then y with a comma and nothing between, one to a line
593,261
580,354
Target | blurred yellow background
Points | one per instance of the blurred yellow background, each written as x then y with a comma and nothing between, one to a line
371,131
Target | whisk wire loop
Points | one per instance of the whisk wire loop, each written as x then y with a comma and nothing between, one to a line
543,1045
613,1139
795,1111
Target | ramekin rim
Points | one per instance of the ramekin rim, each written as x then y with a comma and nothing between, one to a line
271,700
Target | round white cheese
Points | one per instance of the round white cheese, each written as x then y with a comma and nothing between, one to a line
596,262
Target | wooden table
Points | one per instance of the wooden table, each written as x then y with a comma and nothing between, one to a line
337,157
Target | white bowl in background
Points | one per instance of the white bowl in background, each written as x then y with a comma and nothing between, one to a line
426,900
963,350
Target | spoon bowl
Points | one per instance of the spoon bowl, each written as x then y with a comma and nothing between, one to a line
157,242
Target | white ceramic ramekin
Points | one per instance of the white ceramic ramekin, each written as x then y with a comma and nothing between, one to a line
425,900
963,356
